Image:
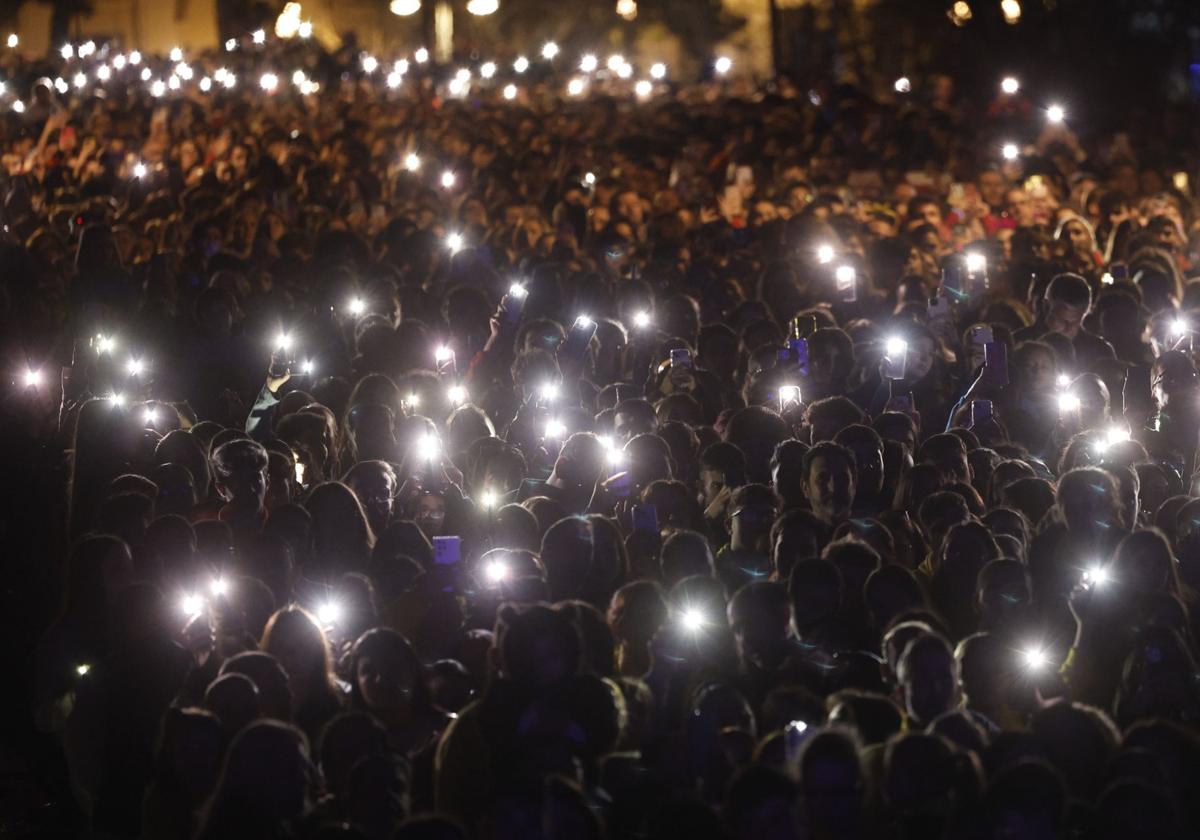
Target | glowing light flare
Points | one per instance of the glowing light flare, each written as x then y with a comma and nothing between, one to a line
404,8
976,262
496,571
521,64
510,92
412,161
32,378
825,254
1009,85
555,430
692,620
191,605
329,613
1035,658
1056,114
902,85
723,65
549,50
448,179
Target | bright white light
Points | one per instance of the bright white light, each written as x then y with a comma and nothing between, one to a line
1068,403
33,378
401,66
103,73
482,7
1096,576
1011,9
87,49
976,262
149,417
692,620
517,290
140,170
589,63
1056,114
13,41
412,161
67,52
304,30
457,394
428,447
1009,85
896,347
1010,151
191,605
454,242
575,87
549,50
60,85
176,54
549,391
723,65
221,73
462,74
521,64
487,69
329,613
789,393
845,274
555,429
119,61
19,106
283,341
370,64
658,70
825,254
488,499
298,77
1179,328
1116,434
394,79
308,367
590,179
902,85
268,82
260,36
117,399
1035,658
135,58
421,55
448,179
230,81
105,344
510,91
404,8
413,400
173,83
643,88
80,80
1063,380
442,354
496,571
457,87
218,586
641,320
1107,279
135,367
356,306
81,670
158,88
231,45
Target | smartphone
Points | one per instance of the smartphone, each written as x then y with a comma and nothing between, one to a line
514,303
953,280
981,410
447,367
799,348
902,403
789,398
846,279
1119,272
995,363
579,337
620,486
895,361
282,362
681,357
981,334
939,306
794,736
645,518
447,551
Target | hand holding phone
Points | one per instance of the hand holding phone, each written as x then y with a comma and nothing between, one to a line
447,551
578,339
645,519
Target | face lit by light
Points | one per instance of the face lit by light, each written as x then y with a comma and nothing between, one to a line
549,50
1056,114
658,70
1010,151
1009,85
825,254
555,430
723,65
448,179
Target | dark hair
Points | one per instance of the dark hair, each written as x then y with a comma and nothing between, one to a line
828,449
1071,289
386,642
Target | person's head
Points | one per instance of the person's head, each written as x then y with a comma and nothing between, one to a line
948,453
295,638
264,783
756,431
1029,794
240,473
1067,301
684,554
538,646
867,447
830,481
374,483
815,591
833,782
1087,498
928,678
722,465
632,418
751,510
796,535
1079,741
387,679
829,416
269,678
759,616
1144,564
342,536
580,461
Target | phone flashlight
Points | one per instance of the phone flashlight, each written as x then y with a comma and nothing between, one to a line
116,399
307,367
300,473
583,322
555,430
549,391
191,605
105,344
789,395
218,586
692,620
824,254
33,378
454,242
82,669
1116,434
412,400
329,613
1095,577
1035,658
283,341
448,179
356,306
1063,380
428,447
641,320
976,262
135,367
150,417
517,290
846,278
1068,403
457,394
412,162
1179,328
496,571
488,499
443,354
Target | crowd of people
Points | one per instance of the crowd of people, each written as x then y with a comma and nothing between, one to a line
445,460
